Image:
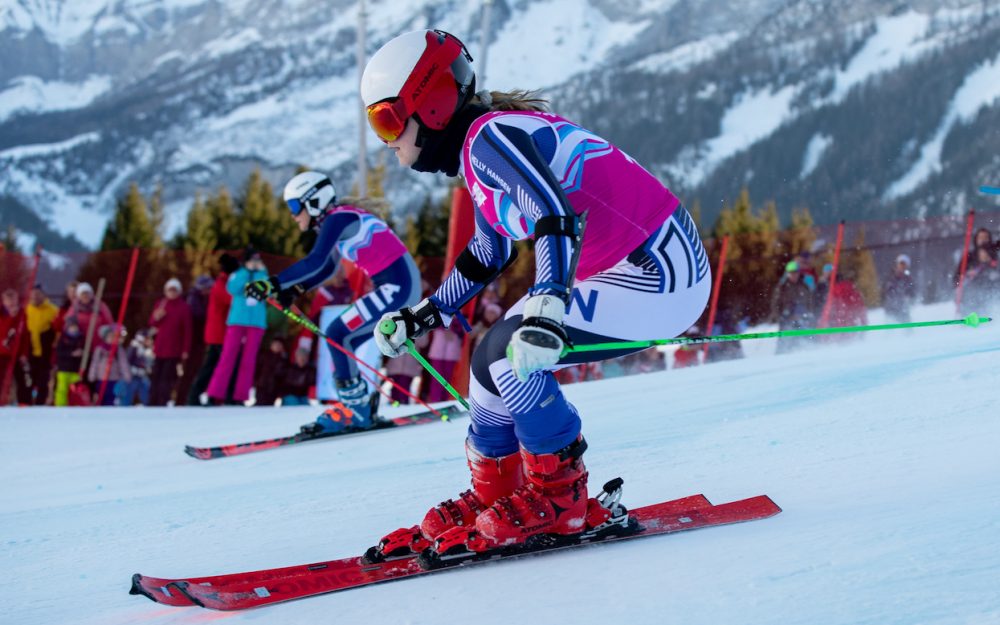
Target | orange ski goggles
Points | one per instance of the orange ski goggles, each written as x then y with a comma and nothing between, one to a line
388,119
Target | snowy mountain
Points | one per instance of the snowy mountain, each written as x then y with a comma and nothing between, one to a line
871,108
882,454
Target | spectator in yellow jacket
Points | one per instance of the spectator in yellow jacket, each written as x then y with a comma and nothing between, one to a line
41,316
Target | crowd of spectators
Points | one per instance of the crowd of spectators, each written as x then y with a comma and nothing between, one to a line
216,346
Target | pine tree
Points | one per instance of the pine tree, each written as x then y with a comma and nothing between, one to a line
201,239
753,266
131,225
859,266
156,216
375,202
800,236
14,272
427,233
253,210
224,221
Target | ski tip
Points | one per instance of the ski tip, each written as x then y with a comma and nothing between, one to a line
776,506
988,190
197,452
137,588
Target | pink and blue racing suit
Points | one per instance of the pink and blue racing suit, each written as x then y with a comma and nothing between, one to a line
642,271
364,239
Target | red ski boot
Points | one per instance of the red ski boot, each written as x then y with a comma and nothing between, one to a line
553,500
492,478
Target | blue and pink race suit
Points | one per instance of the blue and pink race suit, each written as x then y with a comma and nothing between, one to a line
364,239
642,271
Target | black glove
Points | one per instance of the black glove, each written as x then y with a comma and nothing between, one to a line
260,290
409,323
285,297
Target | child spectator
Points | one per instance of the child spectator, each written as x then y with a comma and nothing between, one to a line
69,354
298,377
119,373
140,360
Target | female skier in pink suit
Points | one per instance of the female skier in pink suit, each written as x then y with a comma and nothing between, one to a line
617,258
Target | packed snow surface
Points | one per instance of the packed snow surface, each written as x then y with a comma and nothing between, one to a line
883,454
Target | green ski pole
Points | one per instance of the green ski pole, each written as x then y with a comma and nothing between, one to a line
388,326
312,327
973,320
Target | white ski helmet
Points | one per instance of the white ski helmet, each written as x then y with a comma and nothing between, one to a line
425,74
310,191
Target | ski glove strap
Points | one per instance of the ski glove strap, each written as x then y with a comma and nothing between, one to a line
539,342
408,324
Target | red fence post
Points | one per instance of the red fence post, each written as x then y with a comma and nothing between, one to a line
121,318
965,260
9,373
713,306
825,317
461,227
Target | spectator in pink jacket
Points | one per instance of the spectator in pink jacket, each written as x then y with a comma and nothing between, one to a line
171,321
84,306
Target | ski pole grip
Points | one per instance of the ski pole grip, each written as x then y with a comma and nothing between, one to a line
387,326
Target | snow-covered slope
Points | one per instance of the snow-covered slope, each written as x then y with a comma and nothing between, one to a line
883,454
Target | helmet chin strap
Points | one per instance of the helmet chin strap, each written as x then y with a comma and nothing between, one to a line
317,221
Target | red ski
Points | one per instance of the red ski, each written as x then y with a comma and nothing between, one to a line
382,423
258,588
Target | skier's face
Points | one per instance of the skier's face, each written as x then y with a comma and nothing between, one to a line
302,219
405,146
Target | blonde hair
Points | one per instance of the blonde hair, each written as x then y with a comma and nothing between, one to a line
516,100
378,206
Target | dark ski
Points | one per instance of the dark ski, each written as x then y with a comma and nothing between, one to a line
381,423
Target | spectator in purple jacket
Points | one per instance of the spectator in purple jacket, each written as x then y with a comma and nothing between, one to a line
171,321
